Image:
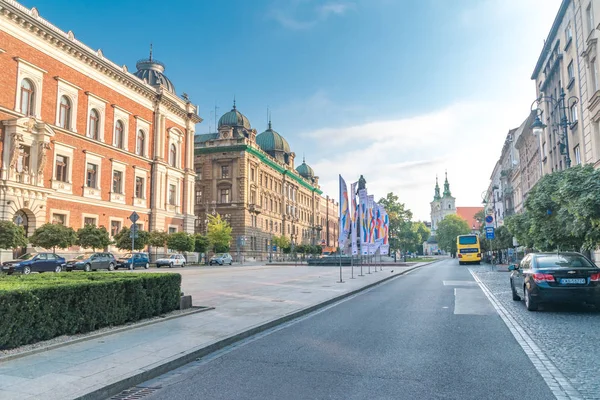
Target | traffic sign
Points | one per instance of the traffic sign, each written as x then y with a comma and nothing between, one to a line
489,233
489,219
133,234
134,217
274,248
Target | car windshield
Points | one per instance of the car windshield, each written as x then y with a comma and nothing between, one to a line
467,240
128,255
27,256
563,261
219,255
83,256
173,256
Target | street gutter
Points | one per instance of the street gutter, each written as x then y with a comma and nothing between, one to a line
187,357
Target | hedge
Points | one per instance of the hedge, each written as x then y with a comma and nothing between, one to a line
43,306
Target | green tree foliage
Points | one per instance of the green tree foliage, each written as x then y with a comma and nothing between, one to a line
158,239
53,236
93,237
562,212
218,233
123,241
447,231
420,233
11,235
280,241
181,242
201,243
480,216
401,233
503,239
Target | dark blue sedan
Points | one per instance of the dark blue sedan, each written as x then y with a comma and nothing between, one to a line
555,278
35,262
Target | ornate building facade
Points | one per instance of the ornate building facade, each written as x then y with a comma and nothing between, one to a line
250,179
441,206
85,141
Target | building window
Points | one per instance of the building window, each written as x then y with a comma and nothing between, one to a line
140,143
590,18
224,195
89,221
94,124
62,164
92,175
119,133
27,97
252,174
60,219
224,171
571,71
64,113
115,227
139,187
172,229
198,196
252,197
24,159
568,34
574,113
173,156
199,173
577,155
117,182
172,194
594,71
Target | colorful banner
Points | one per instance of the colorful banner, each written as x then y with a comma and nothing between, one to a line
344,214
354,217
363,220
384,249
371,220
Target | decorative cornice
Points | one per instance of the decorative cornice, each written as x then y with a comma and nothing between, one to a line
59,79
96,97
20,60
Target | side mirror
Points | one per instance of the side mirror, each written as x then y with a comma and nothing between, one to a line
513,267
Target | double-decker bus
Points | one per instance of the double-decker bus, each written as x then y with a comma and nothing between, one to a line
468,249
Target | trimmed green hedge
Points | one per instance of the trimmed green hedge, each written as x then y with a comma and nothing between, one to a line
42,306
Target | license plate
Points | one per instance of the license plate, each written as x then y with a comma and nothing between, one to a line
573,280
5,267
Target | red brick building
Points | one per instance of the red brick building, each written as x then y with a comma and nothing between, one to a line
84,140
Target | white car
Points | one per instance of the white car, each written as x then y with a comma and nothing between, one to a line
174,260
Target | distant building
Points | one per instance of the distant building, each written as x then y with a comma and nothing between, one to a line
441,206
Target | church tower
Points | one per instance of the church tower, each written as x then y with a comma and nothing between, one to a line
441,205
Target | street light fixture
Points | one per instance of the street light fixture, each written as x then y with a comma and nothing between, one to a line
561,105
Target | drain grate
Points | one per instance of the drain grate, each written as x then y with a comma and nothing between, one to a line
134,393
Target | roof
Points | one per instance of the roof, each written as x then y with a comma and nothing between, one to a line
234,118
305,170
270,140
153,72
548,42
205,137
468,214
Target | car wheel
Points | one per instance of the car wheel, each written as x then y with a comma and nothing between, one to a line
88,267
170,265
111,267
515,296
131,267
26,270
146,266
58,269
182,265
230,262
530,303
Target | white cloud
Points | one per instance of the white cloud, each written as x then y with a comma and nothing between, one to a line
303,14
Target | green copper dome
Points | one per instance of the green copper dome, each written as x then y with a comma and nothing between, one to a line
271,141
305,170
234,118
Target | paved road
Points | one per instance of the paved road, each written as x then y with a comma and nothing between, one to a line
431,334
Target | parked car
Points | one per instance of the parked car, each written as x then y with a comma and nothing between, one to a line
134,260
555,277
35,262
92,262
221,259
174,260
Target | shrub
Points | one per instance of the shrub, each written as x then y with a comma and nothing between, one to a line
40,307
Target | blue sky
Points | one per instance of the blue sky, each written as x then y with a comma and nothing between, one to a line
386,88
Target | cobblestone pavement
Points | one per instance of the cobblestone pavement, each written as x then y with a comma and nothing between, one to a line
568,335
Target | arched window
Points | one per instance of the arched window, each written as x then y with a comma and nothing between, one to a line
119,129
64,113
94,124
27,97
140,143
173,156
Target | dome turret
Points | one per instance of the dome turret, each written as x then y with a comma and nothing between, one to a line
234,118
153,71
305,170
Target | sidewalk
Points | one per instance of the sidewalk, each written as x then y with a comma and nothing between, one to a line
244,298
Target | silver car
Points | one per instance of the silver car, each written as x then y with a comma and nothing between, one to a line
221,259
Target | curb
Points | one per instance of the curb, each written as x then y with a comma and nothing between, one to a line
117,387
99,335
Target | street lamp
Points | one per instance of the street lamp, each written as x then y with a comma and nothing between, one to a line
561,105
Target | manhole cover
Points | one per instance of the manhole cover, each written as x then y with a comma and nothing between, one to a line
134,393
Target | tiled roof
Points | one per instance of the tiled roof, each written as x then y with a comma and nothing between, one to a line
468,214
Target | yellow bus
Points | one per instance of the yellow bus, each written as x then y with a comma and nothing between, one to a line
468,249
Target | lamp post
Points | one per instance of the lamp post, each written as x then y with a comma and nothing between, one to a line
561,105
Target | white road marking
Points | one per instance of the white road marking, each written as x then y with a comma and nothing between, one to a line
471,301
460,283
556,381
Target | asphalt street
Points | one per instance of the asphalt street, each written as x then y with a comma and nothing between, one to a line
430,334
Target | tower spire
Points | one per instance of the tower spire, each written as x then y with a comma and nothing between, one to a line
234,102
447,187
150,52
437,196
269,117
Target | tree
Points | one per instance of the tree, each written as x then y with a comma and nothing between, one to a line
218,233
11,235
480,216
420,234
280,241
123,241
158,239
181,241
519,225
400,230
52,236
93,237
447,231
503,239
201,243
